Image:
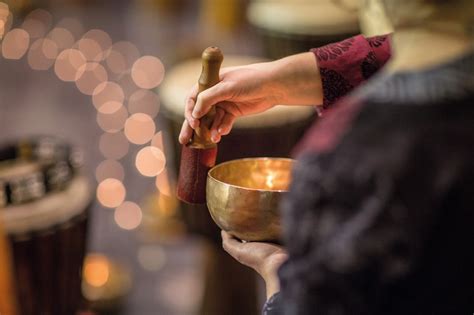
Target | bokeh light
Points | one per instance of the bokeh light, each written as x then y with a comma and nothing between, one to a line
109,169
90,49
144,101
100,38
107,92
73,25
37,23
89,76
6,19
139,128
128,215
148,72
157,141
151,257
163,183
15,44
150,161
42,54
126,82
111,192
62,37
96,270
121,57
113,145
112,116
69,65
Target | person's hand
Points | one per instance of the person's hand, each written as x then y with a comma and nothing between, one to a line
252,89
264,258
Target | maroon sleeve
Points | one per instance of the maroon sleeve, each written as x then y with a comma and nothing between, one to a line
347,64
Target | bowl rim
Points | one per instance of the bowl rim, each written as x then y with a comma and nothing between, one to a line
210,177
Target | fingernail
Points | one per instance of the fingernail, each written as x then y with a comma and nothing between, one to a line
214,136
195,114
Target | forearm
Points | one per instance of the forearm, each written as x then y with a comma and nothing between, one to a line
297,80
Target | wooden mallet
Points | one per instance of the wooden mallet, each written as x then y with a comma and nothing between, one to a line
199,155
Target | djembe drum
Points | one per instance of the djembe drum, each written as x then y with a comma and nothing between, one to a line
272,134
44,209
287,27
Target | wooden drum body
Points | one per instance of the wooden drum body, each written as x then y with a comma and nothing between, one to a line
289,27
48,242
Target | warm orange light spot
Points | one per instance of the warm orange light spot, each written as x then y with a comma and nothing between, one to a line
157,141
128,215
163,183
107,92
109,169
148,72
15,44
90,75
112,116
113,145
37,23
6,19
96,270
139,128
69,65
111,193
61,37
90,49
121,57
42,54
150,161
73,25
102,39
144,101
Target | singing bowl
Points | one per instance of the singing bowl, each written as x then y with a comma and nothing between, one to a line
243,196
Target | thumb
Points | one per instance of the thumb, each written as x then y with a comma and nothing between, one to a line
222,91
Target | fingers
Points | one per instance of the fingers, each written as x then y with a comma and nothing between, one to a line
226,124
189,106
208,98
232,246
186,133
215,136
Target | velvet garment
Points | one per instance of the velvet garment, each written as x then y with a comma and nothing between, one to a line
380,214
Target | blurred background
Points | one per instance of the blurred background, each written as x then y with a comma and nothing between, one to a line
110,77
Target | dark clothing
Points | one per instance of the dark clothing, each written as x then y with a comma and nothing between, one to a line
380,214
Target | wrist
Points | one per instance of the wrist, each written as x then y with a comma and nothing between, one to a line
272,285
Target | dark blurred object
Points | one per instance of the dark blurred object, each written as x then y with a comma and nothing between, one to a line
289,27
272,134
45,216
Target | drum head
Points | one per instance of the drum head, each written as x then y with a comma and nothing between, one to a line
54,209
303,17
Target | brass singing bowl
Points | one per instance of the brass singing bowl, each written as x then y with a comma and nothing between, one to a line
243,196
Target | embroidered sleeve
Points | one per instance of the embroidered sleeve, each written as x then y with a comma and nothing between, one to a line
347,64
273,306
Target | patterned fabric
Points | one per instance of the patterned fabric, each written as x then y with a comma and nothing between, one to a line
272,306
347,64
379,216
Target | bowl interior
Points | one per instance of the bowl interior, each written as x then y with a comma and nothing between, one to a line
268,174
